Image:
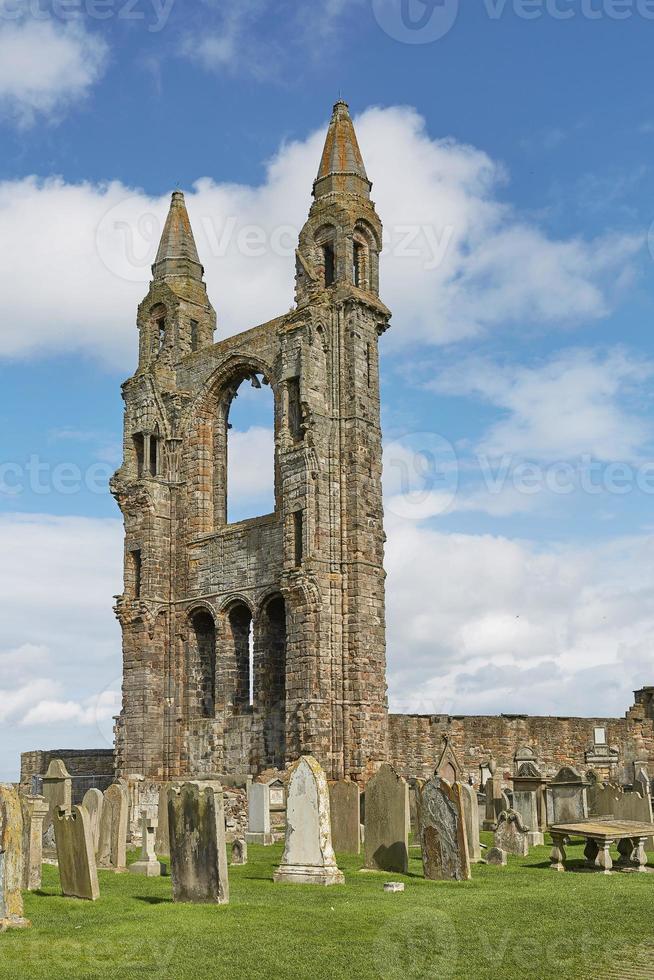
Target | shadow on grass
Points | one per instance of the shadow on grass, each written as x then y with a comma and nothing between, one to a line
153,900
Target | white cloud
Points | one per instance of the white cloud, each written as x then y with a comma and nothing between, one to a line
577,403
494,269
483,624
60,658
45,66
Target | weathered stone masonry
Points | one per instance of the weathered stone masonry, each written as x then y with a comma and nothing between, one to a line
309,578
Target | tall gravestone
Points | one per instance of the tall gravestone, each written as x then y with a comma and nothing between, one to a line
495,798
198,853
259,831
448,766
387,822
35,809
471,818
147,864
308,853
443,839
77,869
566,797
57,789
162,837
529,800
112,843
11,860
511,835
93,803
345,809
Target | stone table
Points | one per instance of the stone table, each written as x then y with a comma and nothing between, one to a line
599,835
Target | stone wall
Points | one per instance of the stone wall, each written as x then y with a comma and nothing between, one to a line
88,767
416,741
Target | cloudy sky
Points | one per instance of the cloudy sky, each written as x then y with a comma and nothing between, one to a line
514,178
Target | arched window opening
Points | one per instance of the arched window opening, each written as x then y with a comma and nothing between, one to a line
330,263
139,452
358,268
239,677
155,461
204,663
158,321
270,678
161,324
250,477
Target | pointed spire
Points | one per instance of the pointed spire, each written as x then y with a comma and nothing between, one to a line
177,255
342,168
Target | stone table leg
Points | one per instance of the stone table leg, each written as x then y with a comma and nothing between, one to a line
591,851
639,856
558,855
625,849
604,861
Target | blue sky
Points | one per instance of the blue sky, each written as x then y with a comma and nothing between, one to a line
511,160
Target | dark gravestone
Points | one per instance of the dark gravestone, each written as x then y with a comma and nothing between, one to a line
387,822
344,807
442,831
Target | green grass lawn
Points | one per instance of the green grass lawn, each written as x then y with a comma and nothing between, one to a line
505,923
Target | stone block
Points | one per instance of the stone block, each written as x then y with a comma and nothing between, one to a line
496,856
239,851
345,809
387,822
259,831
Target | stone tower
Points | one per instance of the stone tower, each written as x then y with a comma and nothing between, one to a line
248,644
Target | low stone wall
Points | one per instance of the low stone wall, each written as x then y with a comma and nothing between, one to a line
88,767
416,741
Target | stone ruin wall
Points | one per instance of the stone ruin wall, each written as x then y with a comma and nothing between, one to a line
416,741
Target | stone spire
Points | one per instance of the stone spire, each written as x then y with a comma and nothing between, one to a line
342,169
178,254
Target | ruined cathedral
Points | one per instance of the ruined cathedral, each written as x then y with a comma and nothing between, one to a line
247,644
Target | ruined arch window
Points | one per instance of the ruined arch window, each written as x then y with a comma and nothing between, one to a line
161,335
295,426
159,322
139,452
358,265
329,259
154,462
239,657
270,678
298,537
203,663
250,471
136,572
195,337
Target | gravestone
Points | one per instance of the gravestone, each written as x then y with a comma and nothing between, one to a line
198,853
495,800
642,782
147,864
162,838
239,851
57,789
495,855
11,860
442,831
526,804
75,857
511,835
471,818
93,803
259,814
387,822
448,766
530,780
344,807
34,809
566,797
308,852
112,842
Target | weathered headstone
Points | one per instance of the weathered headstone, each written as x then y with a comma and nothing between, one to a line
495,799
448,766
259,814
642,782
471,818
308,853
148,864
511,835
35,809
443,837
239,851
526,804
566,797
198,853
495,855
93,803
162,838
112,843
344,806
11,860
75,857
57,789
387,822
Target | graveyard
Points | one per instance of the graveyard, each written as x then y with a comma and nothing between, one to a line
501,923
